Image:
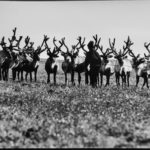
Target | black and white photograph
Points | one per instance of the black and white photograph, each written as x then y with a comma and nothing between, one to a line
75,74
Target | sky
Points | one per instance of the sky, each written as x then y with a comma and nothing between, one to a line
70,19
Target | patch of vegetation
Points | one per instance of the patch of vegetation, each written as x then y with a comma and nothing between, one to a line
40,115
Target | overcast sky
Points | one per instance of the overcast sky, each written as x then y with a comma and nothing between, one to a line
108,19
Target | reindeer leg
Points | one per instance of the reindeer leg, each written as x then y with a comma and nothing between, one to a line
22,76
128,76
79,78
7,74
13,74
86,77
55,78
31,76
101,79
26,75
107,78
18,75
147,83
35,75
125,80
91,78
65,78
144,82
117,79
137,80
72,78
55,73
3,74
48,77
97,79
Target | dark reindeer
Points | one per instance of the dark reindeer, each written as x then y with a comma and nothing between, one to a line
123,66
80,67
140,67
7,56
32,66
93,60
50,64
21,59
68,66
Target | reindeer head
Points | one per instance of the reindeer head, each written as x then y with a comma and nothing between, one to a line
73,53
136,59
121,54
53,54
105,54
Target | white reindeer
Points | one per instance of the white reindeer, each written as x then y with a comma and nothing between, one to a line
123,65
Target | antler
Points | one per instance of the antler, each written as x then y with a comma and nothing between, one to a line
106,53
31,44
39,48
63,40
56,50
75,47
112,46
127,47
97,41
82,44
14,35
131,54
147,46
45,40
18,42
27,39
47,47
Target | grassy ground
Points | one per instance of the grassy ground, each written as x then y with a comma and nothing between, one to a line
46,116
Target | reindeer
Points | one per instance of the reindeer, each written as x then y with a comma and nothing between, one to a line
80,64
32,66
123,65
8,57
140,67
68,66
107,64
22,58
50,64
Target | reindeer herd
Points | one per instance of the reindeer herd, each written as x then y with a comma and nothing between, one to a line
96,64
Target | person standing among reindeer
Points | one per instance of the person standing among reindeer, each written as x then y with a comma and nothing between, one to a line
94,61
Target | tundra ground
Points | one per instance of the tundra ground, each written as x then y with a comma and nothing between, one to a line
41,115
